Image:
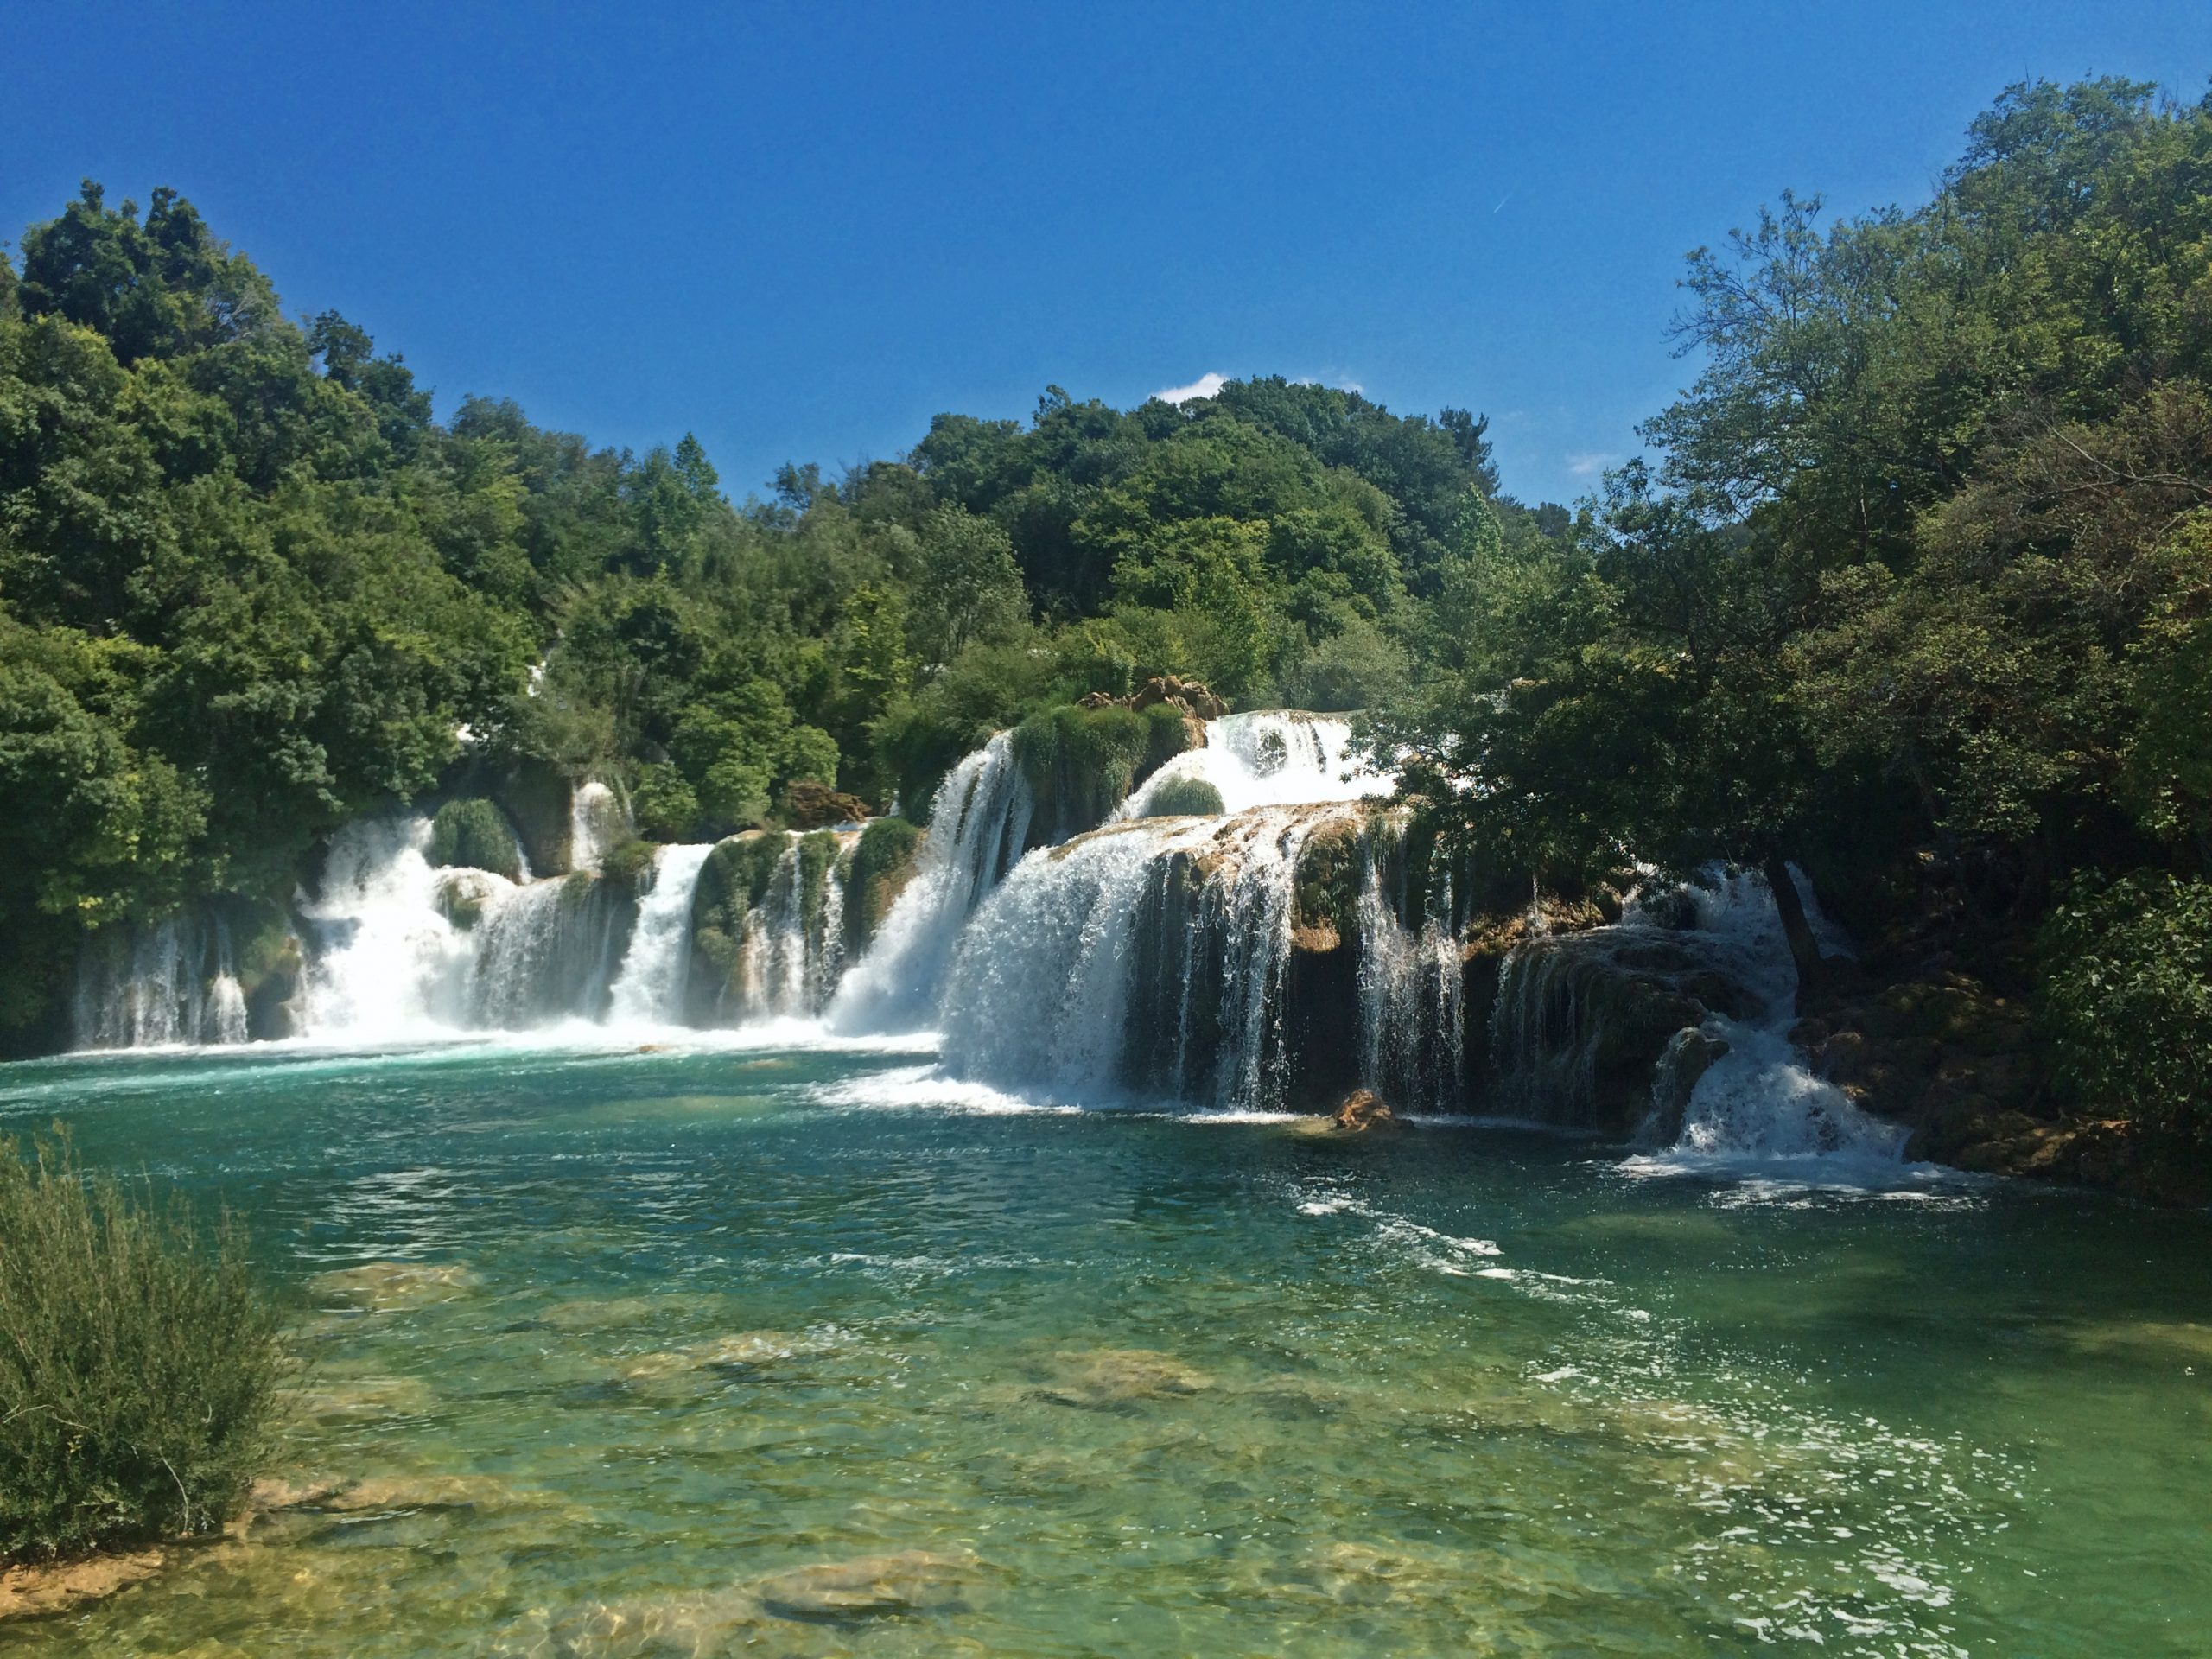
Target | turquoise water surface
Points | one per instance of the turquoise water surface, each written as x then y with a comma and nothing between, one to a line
799,1351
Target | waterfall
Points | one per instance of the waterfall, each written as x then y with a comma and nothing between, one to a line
1268,759
1412,991
649,990
1758,1099
1146,956
597,820
547,952
385,960
979,819
398,949
165,982
791,947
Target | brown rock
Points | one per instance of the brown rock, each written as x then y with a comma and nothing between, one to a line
1363,1109
29,1591
818,806
1154,690
1097,700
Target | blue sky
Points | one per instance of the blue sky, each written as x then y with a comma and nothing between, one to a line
801,230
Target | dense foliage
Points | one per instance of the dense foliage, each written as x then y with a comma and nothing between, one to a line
2128,996
139,1364
249,587
1922,565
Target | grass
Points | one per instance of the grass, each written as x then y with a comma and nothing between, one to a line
139,1363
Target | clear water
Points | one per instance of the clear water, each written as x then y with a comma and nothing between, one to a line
1140,1385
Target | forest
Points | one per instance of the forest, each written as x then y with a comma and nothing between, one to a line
1913,588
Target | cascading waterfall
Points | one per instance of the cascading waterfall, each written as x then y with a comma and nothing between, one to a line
1146,956
1758,1099
780,975
597,820
1268,759
1204,958
649,990
385,960
547,952
400,950
979,819
168,983
1412,991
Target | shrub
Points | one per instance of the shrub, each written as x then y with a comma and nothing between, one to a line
663,804
2128,996
1175,798
475,835
139,1363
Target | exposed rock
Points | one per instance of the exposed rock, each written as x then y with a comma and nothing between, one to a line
1363,1109
385,1285
1096,700
818,806
1192,697
36,1589
1102,1378
1690,1055
913,1580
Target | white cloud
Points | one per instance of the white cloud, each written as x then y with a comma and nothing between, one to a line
1588,463
1204,386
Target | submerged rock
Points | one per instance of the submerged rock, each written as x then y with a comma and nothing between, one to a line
381,1287
694,1626
745,1350
913,1580
1103,1378
697,1624
362,1399
34,1591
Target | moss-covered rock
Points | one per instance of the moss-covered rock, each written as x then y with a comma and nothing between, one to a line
1080,763
1176,797
732,883
875,873
473,833
1325,893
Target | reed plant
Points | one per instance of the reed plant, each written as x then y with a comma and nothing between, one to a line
140,1361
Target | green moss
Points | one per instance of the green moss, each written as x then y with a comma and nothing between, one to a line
732,882
1166,735
473,834
1173,798
1080,764
1325,886
628,860
874,874
817,856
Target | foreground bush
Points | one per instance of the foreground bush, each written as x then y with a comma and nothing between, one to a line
2127,997
139,1364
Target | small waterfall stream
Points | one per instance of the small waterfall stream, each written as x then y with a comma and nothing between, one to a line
173,982
649,990
979,820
